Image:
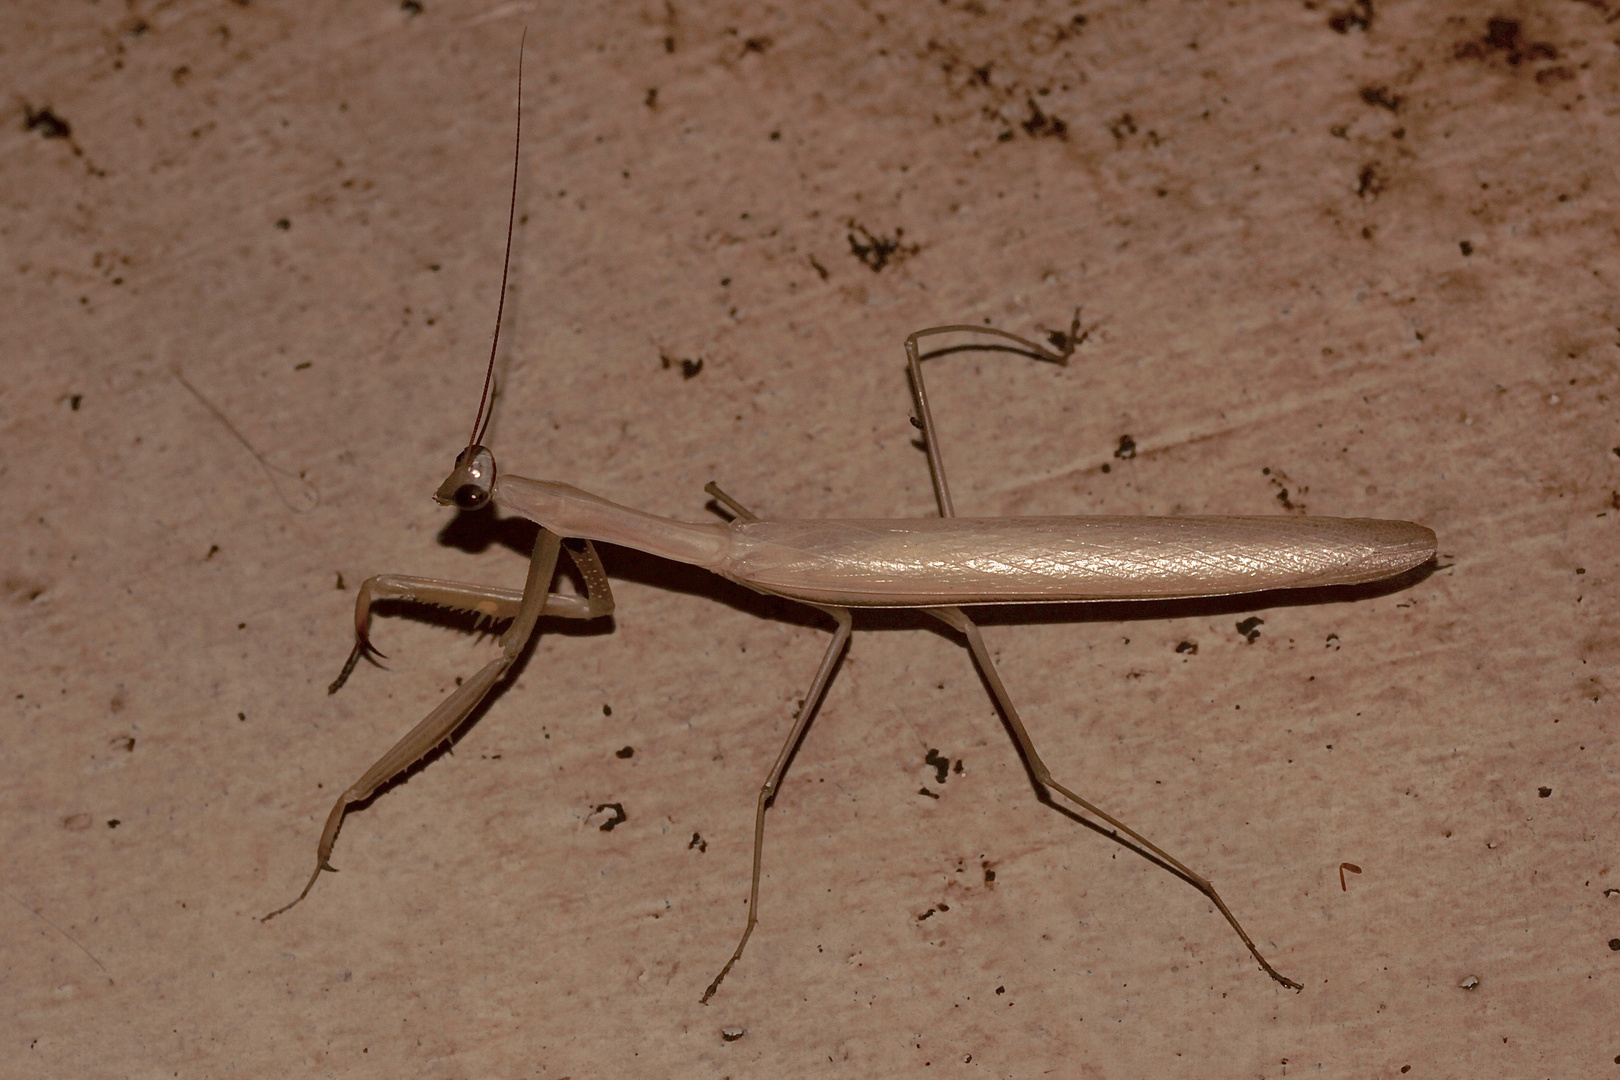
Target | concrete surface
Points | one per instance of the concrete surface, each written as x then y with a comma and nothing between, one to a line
1343,259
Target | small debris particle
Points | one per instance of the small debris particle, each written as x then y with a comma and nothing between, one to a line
74,401
732,1034
1381,97
1359,16
1350,866
283,224
925,791
1250,628
1467,247
619,816
607,710
698,842
1544,792
1506,36
1126,448
941,765
1369,185
625,752
1470,983
113,823
47,123
1041,126
876,252
689,368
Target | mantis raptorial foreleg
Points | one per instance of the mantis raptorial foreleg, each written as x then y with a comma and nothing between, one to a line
959,621
489,602
524,609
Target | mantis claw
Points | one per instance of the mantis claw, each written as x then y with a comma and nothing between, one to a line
362,648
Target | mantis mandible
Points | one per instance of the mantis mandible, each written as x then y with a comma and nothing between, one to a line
940,566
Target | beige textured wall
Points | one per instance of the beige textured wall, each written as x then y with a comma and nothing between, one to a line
1264,208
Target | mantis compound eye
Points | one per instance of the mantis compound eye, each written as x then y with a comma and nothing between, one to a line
472,482
471,497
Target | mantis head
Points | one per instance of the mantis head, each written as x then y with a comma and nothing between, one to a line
472,482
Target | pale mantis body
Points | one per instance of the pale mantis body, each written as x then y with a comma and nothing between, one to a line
939,565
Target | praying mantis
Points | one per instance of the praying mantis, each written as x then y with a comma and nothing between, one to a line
941,566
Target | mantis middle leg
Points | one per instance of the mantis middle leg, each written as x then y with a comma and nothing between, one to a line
773,780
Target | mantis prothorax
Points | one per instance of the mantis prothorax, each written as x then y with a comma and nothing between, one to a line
937,565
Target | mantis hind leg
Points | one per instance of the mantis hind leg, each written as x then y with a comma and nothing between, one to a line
1110,825
1061,347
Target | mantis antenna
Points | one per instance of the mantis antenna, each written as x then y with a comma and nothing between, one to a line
481,420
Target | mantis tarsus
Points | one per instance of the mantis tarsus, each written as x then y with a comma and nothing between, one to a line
937,565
